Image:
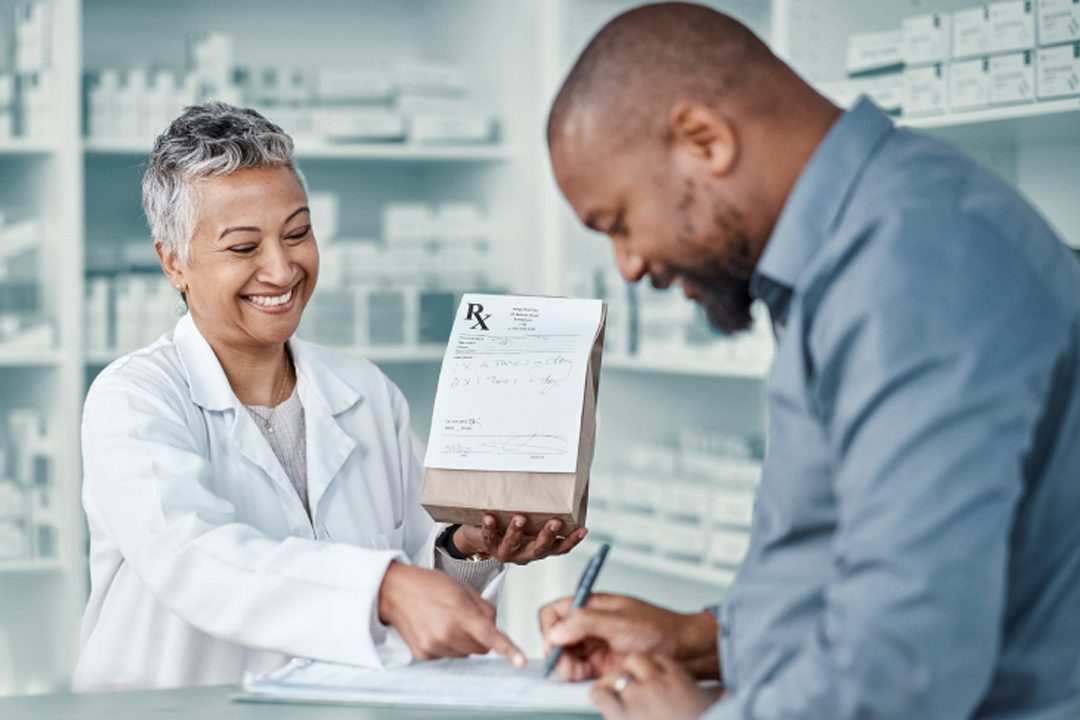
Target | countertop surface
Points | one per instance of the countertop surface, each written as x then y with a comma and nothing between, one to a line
214,703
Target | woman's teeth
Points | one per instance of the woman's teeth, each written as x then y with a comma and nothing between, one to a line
271,301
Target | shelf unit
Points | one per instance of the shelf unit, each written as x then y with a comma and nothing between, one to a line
517,54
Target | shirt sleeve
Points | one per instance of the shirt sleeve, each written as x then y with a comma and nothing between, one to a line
148,482
930,355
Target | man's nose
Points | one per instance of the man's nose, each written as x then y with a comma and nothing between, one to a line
631,265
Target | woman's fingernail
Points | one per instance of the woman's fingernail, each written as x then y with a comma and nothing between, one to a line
519,522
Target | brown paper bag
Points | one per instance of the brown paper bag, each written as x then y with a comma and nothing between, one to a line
465,496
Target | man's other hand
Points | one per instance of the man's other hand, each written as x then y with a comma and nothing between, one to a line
653,688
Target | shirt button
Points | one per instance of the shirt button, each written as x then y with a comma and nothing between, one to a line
301,531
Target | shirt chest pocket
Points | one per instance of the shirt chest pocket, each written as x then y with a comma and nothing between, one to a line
392,540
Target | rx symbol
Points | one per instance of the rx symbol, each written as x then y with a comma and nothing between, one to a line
476,312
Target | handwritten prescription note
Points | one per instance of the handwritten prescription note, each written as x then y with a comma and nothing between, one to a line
512,384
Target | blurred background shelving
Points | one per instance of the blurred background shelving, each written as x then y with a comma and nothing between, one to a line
419,125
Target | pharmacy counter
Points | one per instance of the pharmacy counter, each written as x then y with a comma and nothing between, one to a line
213,703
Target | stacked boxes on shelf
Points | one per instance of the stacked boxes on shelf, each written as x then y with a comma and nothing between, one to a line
29,508
1001,53
690,506
400,291
25,74
129,301
23,321
414,102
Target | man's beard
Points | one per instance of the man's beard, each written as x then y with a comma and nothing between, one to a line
723,285
723,294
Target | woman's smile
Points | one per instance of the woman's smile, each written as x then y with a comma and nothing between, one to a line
274,303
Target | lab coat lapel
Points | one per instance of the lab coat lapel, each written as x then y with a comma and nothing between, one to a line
211,391
324,396
247,438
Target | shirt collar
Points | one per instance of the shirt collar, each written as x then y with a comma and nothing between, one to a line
210,387
816,203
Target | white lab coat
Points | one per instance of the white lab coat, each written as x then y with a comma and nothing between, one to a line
203,562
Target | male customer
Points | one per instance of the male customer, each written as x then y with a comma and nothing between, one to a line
915,550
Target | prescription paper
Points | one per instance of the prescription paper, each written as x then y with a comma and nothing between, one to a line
480,682
510,392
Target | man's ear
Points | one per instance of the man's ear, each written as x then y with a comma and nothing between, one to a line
698,129
171,265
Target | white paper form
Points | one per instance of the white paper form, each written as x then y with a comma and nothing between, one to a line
511,388
488,682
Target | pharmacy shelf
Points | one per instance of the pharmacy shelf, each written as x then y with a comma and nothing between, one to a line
703,367
483,153
30,357
419,354
1048,122
31,565
21,146
661,564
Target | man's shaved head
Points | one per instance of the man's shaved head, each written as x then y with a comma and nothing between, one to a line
651,57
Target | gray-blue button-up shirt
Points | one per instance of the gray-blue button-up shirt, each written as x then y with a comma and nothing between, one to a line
916,539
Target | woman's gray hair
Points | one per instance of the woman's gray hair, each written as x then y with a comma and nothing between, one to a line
207,140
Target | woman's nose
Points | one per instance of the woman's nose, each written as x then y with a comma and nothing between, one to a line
276,267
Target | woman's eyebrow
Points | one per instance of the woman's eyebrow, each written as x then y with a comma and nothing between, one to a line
297,212
239,228
252,228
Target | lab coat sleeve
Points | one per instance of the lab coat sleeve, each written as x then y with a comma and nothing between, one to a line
421,532
152,486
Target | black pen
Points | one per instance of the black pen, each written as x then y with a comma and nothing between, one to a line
581,596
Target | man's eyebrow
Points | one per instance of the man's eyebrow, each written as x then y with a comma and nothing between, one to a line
252,228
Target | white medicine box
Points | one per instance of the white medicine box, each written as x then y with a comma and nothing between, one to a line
969,84
926,39
1012,78
925,90
971,32
1059,71
1012,26
1059,21
874,51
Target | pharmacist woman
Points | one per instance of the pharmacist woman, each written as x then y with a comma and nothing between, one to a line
252,497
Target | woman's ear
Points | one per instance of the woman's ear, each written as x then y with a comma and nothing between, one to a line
698,129
171,265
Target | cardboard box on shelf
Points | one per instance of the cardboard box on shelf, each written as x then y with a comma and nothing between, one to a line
969,84
887,91
732,506
1058,21
874,51
926,39
451,129
1058,71
728,547
971,32
925,90
1012,78
1012,26
685,501
353,84
685,541
358,123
